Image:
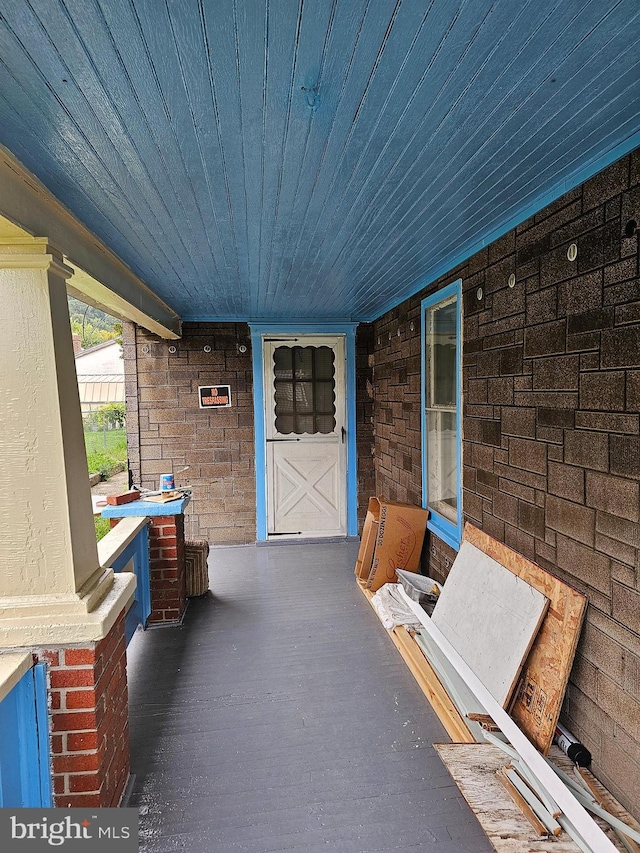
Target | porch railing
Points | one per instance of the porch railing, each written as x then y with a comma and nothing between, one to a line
126,548
25,775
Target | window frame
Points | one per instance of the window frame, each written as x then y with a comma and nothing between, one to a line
450,532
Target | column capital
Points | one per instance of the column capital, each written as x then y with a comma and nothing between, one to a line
32,253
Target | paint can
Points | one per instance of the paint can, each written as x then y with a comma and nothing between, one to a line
167,483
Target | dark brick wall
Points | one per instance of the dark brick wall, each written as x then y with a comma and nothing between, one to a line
167,430
551,425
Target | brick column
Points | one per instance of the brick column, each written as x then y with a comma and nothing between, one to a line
167,569
167,565
89,720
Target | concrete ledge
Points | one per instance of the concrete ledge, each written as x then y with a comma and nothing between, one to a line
113,544
46,630
12,668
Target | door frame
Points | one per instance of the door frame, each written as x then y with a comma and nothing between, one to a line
258,332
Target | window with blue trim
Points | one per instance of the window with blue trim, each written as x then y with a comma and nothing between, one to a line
441,413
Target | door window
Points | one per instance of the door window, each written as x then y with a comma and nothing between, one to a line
304,390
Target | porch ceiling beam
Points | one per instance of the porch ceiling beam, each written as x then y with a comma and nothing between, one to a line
100,277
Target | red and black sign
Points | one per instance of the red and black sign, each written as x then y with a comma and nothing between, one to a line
214,396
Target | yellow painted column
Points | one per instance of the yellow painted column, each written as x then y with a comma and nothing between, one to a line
51,582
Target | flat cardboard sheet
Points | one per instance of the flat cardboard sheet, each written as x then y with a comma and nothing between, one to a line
543,681
491,617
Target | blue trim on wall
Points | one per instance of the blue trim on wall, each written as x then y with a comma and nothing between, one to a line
442,527
25,762
352,456
150,508
523,213
259,434
349,331
44,743
138,549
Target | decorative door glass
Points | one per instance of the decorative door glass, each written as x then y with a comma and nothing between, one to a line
304,385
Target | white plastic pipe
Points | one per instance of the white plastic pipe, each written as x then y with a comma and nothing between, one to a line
585,826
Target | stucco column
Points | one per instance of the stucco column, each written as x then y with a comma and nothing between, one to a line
51,582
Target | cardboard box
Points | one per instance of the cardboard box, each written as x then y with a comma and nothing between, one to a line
368,541
391,539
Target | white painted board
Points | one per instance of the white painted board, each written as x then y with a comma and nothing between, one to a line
491,617
587,828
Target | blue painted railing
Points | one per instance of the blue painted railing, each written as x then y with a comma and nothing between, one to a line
130,553
25,760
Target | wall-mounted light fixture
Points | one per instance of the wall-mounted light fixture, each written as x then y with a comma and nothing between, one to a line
173,349
512,280
479,294
572,252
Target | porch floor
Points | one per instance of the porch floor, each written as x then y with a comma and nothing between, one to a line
280,717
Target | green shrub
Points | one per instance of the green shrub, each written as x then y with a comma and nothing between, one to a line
110,416
102,526
104,464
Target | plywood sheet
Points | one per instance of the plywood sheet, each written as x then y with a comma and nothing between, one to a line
490,616
473,768
541,687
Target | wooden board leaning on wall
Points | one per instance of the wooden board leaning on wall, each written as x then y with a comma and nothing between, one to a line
540,690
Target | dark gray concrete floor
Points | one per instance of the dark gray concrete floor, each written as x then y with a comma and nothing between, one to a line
280,717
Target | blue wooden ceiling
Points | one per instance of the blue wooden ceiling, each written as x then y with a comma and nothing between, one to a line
311,159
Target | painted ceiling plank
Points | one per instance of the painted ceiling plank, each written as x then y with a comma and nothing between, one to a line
161,32
113,154
400,172
372,126
126,106
384,227
528,171
442,68
251,39
26,202
280,48
302,124
144,104
336,64
222,37
81,196
66,139
393,69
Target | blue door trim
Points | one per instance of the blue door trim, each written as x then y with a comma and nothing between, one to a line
258,330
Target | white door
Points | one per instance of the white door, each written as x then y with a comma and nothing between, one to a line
304,394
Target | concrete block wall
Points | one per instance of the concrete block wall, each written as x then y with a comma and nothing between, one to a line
551,429
168,431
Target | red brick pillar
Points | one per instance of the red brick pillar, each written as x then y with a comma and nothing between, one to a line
89,721
167,564
168,569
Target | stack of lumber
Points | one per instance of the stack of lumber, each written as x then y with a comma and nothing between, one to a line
494,661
